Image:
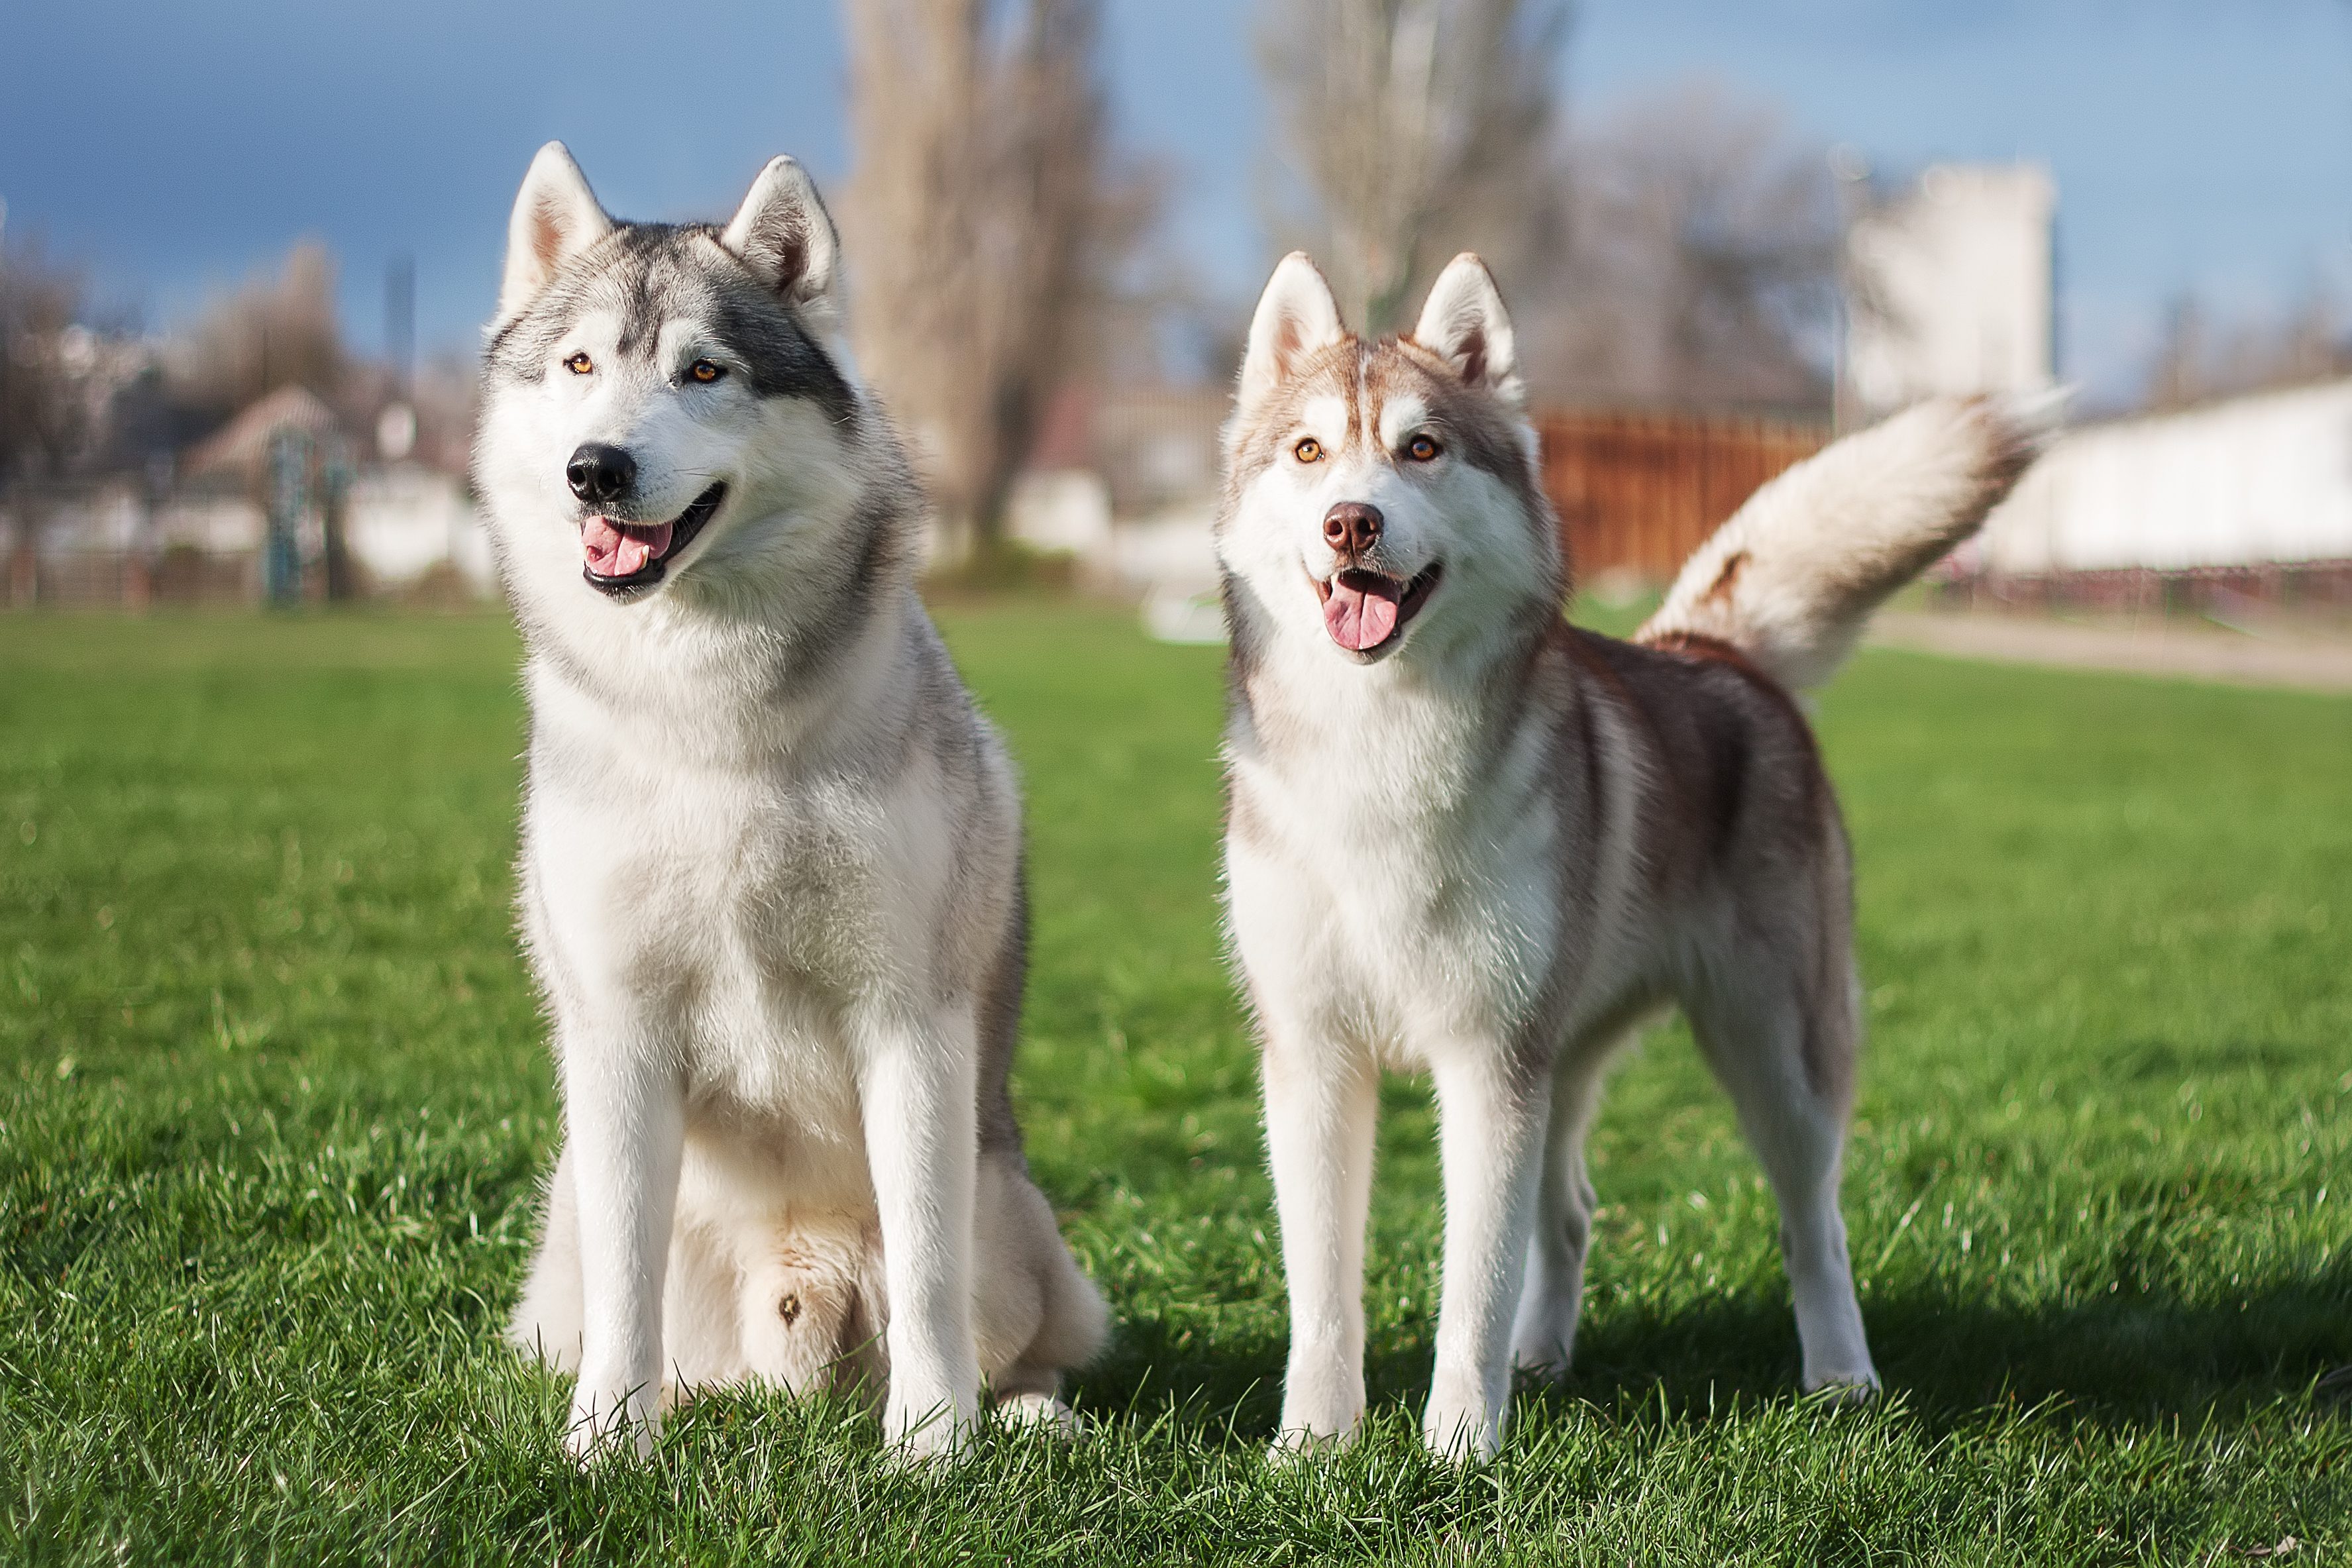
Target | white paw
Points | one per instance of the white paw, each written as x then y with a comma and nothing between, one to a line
928,1435
1296,1444
1322,1405
1460,1426
598,1434
1857,1387
1541,1361
1040,1413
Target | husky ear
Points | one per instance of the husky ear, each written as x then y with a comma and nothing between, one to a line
1297,318
783,234
555,218
1465,323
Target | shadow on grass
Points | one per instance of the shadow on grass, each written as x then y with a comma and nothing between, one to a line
2126,1361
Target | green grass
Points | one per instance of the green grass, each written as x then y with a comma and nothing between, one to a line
274,1097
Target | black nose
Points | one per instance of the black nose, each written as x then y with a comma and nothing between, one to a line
1351,527
598,473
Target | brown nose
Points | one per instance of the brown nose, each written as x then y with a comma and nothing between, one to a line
1351,527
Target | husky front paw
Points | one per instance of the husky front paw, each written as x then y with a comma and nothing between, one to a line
928,1432
1038,1413
1540,1358
1860,1387
606,1427
1322,1405
1462,1422
1296,1445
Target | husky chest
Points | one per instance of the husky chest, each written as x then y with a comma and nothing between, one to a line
742,898
1412,882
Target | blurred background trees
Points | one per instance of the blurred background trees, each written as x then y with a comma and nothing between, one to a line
1700,264
270,331
1018,293
1417,128
982,219
47,354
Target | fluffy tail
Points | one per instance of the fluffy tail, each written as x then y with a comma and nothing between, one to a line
1792,577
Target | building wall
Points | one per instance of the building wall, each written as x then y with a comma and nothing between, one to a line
2255,480
403,520
1951,289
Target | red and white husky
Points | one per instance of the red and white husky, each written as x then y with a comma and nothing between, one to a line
1468,837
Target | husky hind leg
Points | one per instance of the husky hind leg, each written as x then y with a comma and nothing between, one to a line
1543,1334
1035,1314
1784,1051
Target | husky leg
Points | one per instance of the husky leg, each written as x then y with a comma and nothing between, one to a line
1756,1044
922,1143
1322,1108
1033,1313
546,1322
1543,1334
625,1117
1490,1122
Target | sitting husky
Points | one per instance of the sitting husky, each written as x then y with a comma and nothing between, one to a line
1466,836
770,868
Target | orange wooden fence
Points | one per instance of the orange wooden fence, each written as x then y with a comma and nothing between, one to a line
1638,492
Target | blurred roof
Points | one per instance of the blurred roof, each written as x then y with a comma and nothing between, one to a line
242,444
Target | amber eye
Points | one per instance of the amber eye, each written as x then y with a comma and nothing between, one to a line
1421,448
578,365
705,371
1308,450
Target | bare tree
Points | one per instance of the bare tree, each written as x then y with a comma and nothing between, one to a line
1420,128
2202,357
45,414
974,210
270,332
1702,264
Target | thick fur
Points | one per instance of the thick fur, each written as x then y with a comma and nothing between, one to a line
771,862
1491,846
1792,578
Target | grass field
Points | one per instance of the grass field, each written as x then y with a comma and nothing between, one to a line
274,1099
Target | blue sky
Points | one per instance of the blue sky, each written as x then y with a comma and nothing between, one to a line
2198,144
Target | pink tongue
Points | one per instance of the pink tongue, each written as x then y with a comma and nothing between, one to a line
1360,618
613,553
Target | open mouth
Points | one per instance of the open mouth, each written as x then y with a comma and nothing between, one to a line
623,557
1367,611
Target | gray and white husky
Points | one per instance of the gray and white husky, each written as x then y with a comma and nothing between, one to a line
771,867
1467,837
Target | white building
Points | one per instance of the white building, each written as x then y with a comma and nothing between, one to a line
1950,289
2260,480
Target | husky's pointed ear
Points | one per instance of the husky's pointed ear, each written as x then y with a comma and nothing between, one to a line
1464,323
555,218
1297,318
783,234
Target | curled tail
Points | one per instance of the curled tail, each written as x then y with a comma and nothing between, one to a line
1792,577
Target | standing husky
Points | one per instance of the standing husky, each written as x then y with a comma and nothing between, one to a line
771,867
1466,836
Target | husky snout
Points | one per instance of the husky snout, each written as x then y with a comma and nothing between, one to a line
1367,601
1352,529
601,473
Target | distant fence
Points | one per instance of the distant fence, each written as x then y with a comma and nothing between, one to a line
1638,492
